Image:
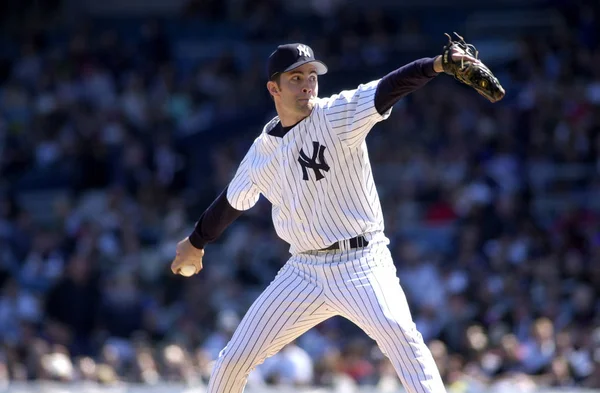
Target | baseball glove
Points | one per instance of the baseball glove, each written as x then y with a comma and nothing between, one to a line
476,75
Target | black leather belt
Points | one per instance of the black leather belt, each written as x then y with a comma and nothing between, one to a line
355,242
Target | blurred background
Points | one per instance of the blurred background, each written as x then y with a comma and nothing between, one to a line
121,121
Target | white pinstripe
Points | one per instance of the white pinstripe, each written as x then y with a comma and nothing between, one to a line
310,214
360,285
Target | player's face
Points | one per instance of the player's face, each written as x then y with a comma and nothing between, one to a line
299,87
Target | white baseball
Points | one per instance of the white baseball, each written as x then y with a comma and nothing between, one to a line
187,270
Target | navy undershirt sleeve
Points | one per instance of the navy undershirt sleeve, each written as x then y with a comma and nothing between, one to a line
403,81
219,215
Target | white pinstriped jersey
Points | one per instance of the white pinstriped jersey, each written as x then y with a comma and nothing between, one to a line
317,176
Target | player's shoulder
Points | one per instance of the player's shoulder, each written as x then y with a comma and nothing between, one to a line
269,126
324,102
263,143
347,95
320,103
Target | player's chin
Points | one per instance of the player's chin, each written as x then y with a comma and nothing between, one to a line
305,105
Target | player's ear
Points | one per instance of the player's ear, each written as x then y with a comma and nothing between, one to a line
273,88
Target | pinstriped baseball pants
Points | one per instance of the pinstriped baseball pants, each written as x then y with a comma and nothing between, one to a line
360,285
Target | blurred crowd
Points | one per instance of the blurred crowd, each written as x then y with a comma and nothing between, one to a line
492,210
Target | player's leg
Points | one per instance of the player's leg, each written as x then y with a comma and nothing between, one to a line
289,306
368,293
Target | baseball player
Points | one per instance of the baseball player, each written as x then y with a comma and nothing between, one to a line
311,163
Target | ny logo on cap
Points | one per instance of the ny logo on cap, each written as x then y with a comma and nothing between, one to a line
303,50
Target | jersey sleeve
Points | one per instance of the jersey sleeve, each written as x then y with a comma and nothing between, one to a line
352,113
242,193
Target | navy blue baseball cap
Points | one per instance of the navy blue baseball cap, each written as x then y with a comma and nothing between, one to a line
290,56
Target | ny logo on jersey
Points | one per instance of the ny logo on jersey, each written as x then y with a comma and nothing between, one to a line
303,50
316,162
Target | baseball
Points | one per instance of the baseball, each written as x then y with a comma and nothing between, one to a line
187,270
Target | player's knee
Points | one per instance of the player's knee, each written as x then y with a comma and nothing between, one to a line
235,358
407,332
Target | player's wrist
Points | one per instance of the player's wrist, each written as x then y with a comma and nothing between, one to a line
196,240
437,64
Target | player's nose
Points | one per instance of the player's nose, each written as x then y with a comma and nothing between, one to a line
306,90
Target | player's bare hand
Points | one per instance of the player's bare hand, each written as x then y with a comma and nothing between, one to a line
187,257
459,54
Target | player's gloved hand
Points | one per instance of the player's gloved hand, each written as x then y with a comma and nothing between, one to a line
186,256
460,60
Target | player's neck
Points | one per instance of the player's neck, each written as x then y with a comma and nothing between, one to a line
288,119
289,123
